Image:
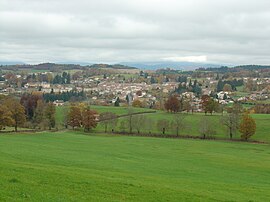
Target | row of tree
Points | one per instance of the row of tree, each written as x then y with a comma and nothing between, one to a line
32,109
229,85
80,115
39,77
12,79
175,104
62,79
262,109
65,96
194,87
234,122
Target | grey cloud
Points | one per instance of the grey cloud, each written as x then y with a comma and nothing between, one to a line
224,31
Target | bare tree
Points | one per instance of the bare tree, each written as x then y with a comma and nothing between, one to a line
49,113
138,122
187,105
65,119
178,123
108,119
206,128
148,125
231,121
130,119
162,125
123,125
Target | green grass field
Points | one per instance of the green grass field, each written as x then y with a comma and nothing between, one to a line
60,111
192,122
68,166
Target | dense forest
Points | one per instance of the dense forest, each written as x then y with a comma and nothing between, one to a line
56,67
65,96
225,69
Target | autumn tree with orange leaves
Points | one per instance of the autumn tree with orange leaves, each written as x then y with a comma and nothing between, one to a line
74,116
5,117
89,119
247,126
17,112
209,104
172,104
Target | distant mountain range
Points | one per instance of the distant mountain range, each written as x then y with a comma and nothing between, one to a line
173,65
139,65
54,66
185,66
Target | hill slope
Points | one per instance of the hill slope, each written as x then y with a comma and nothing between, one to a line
74,167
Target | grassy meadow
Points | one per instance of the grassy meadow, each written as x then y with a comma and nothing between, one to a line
70,166
60,111
192,122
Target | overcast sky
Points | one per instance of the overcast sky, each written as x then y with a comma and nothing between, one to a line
210,31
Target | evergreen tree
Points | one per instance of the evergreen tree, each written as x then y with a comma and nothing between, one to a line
217,78
190,83
152,81
68,79
117,102
220,85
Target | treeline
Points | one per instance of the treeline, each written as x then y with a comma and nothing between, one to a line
115,66
229,85
65,96
180,103
12,79
194,87
225,69
168,71
29,112
222,69
80,115
39,114
58,67
32,111
262,109
236,120
62,79
231,120
39,77
43,66
252,67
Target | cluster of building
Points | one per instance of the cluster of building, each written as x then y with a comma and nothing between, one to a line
107,90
